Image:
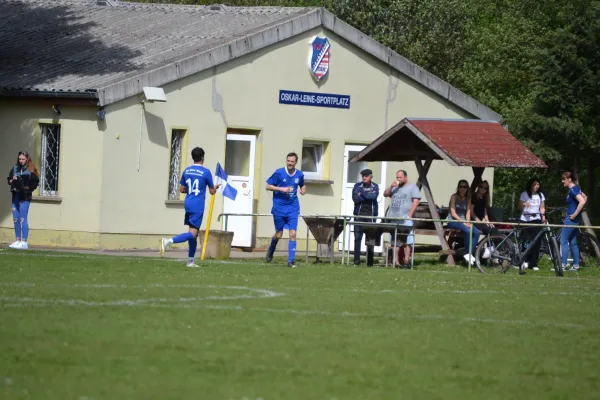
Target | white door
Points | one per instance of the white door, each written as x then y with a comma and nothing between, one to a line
239,166
351,176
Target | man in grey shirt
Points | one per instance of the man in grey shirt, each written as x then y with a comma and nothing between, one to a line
405,200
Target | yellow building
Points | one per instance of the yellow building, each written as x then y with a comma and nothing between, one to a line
110,158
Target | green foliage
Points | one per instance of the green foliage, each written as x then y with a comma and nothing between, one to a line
428,32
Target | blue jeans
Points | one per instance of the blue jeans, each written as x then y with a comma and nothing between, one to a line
465,230
359,231
20,210
568,239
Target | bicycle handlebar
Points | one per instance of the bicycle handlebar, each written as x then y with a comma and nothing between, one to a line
547,213
554,210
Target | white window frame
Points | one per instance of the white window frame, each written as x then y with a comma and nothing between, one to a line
174,173
319,148
43,160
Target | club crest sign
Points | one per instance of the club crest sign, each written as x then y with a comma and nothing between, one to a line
318,57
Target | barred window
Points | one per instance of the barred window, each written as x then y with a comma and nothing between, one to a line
50,151
177,136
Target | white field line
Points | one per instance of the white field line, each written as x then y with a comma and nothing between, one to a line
298,289
108,256
255,262
385,315
259,294
126,286
11,302
438,291
318,313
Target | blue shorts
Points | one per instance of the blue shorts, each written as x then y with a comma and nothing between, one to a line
405,236
281,223
194,220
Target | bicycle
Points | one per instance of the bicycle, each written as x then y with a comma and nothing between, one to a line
498,252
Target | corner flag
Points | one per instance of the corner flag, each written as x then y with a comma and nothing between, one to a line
221,178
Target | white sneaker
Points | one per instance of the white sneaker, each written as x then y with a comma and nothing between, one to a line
469,258
15,245
192,265
164,244
487,253
536,269
23,246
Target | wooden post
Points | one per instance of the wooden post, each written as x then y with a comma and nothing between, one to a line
586,221
207,230
477,178
425,171
434,214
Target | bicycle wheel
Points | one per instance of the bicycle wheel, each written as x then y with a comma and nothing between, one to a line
589,247
555,255
492,253
544,250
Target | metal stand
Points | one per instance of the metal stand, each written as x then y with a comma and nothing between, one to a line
325,230
381,228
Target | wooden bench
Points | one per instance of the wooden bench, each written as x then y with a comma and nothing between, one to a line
450,235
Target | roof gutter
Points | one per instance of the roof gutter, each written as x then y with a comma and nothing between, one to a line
87,95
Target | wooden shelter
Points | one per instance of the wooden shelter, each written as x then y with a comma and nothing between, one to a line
461,143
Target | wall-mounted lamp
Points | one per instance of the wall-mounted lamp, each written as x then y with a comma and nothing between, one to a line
151,95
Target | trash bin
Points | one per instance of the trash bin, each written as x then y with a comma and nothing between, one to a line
218,246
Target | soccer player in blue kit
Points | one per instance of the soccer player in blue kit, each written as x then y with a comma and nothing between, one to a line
194,181
286,183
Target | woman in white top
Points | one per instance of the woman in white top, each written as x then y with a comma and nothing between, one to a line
533,211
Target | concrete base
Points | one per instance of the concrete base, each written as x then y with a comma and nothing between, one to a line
125,241
219,244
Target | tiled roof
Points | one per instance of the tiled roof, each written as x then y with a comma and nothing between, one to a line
77,45
110,52
478,143
472,143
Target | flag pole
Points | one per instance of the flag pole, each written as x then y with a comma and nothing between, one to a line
207,230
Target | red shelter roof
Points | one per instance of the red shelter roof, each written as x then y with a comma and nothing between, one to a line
472,143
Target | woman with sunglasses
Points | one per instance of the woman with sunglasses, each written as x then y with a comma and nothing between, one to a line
23,179
568,236
533,210
479,208
460,209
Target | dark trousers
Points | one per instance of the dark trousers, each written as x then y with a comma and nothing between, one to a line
530,234
486,230
359,231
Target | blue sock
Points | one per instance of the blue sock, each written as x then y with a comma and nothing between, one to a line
291,251
193,244
273,245
184,237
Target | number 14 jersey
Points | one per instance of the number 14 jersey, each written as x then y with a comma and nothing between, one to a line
196,179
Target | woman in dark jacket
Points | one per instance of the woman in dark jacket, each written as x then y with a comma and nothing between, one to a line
480,203
23,179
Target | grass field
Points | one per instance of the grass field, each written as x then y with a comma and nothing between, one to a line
103,327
